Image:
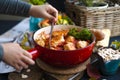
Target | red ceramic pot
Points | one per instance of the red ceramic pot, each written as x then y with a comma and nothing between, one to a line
61,58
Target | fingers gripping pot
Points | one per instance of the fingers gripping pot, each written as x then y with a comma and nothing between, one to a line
61,58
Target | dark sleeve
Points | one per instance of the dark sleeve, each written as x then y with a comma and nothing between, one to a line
1,52
14,7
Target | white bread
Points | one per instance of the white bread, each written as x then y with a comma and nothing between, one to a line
105,41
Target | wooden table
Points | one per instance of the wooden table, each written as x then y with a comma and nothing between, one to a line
34,74
38,72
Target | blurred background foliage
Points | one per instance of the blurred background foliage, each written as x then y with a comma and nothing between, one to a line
37,2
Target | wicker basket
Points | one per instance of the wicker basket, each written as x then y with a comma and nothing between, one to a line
95,18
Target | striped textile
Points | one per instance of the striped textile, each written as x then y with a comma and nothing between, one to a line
14,7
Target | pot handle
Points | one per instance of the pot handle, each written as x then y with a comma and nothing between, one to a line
34,52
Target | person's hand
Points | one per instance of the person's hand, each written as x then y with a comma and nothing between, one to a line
44,11
15,56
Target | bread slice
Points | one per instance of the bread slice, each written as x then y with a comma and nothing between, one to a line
105,41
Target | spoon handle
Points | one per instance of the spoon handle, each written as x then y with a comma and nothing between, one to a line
51,30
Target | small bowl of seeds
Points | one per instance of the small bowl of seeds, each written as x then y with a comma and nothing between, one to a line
109,60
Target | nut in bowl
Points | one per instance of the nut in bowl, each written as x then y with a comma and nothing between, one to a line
109,60
63,57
